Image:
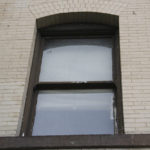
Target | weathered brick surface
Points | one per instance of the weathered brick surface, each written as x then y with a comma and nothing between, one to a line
17,36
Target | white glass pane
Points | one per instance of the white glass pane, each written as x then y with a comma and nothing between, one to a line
77,60
74,112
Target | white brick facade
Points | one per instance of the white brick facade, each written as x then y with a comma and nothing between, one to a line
17,36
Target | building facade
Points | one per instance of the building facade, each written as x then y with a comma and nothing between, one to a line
19,24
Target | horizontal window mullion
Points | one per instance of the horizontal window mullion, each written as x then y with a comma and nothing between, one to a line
74,85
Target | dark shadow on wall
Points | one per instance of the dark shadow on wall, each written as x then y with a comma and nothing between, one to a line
78,17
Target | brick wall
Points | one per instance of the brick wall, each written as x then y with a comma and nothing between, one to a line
17,36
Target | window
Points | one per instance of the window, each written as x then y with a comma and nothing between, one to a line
74,86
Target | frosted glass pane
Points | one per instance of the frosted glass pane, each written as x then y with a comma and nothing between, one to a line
74,112
77,60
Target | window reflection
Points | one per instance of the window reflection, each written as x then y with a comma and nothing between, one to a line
77,60
74,112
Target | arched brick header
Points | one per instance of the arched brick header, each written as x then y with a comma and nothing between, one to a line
96,11
52,7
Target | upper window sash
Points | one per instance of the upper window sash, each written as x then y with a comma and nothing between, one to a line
77,60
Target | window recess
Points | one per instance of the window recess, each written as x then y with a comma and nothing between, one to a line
75,83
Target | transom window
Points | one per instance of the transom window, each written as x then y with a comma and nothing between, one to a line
75,83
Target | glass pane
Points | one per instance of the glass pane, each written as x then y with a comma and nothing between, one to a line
77,60
74,112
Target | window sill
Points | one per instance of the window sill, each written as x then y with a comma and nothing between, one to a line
76,141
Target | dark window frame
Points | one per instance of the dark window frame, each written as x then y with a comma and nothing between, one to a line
77,32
